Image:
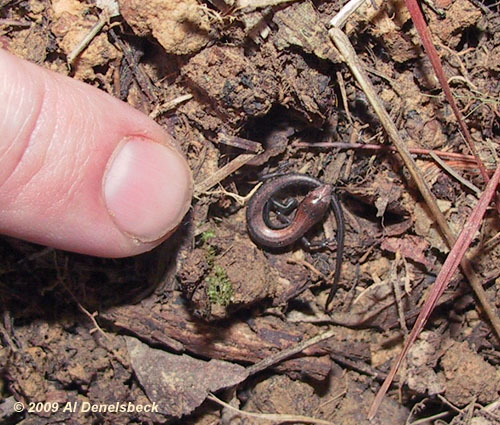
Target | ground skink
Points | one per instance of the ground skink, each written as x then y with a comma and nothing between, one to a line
309,212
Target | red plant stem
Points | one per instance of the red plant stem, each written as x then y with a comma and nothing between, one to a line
449,267
368,146
425,35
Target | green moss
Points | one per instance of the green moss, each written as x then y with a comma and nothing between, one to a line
219,289
206,236
211,253
211,250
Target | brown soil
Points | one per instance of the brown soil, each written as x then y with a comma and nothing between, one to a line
186,320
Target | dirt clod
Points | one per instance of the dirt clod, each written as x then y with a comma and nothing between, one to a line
465,374
180,26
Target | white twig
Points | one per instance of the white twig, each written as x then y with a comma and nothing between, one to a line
341,17
82,45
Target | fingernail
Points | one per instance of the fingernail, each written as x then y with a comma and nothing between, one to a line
147,188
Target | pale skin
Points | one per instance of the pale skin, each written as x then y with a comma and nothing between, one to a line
81,170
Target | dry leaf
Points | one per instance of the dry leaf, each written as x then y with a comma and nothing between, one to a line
179,383
412,247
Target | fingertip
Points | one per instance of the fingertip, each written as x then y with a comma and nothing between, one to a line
83,171
147,188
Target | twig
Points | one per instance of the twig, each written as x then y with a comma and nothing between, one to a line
141,77
358,366
251,5
483,7
343,93
341,17
82,45
168,105
270,416
454,174
7,339
35,255
490,243
85,311
239,142
398,296
14,23
450,404
449,267
92,316
349,320
241,200
440,13
223,172
465,80
429,419
112,350
367,146
492,406
308,266
288,352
